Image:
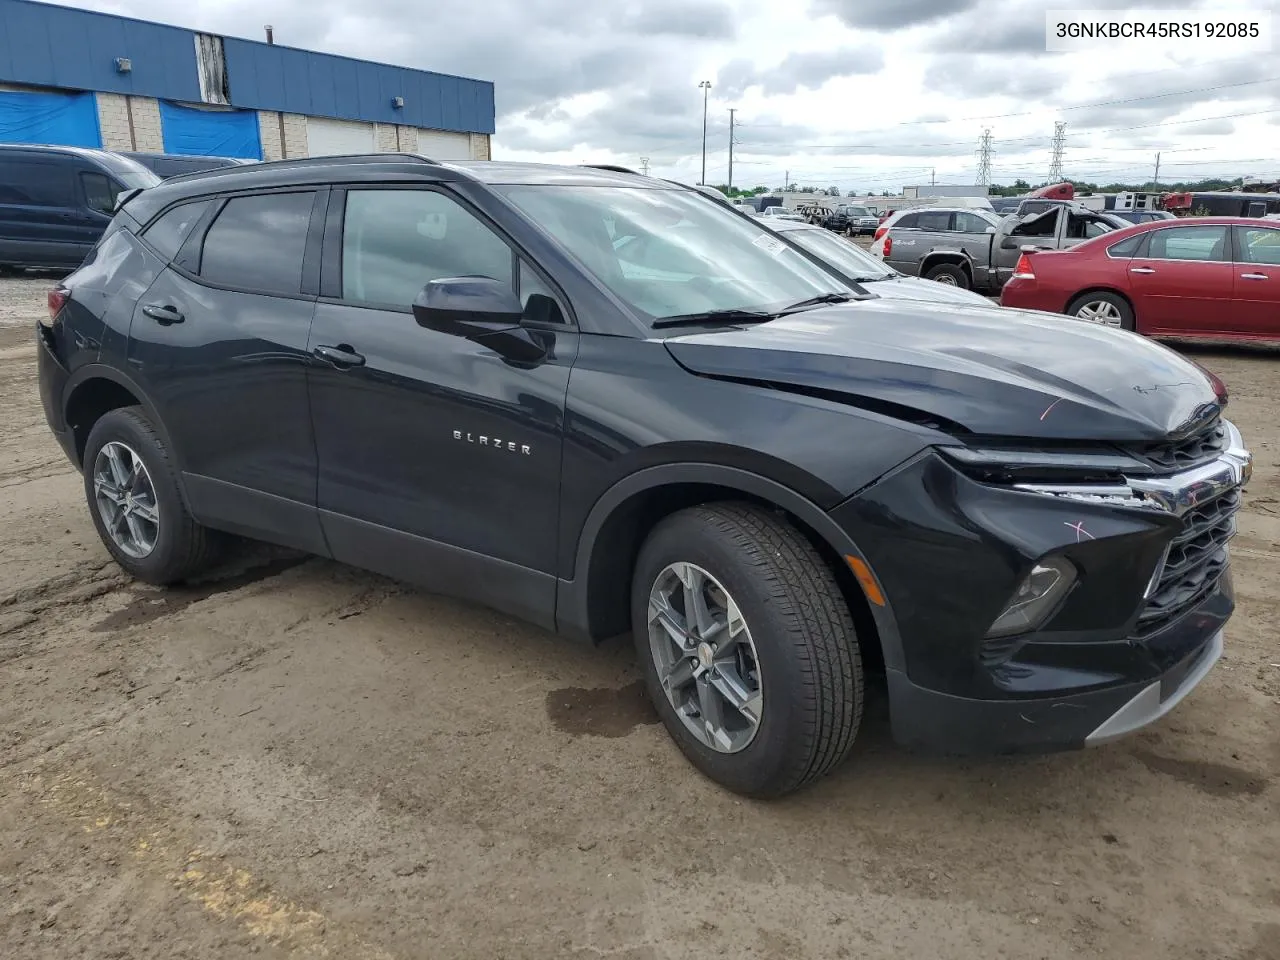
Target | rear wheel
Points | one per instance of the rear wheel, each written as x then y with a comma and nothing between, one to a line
1109,309
131,484
748,648
948,274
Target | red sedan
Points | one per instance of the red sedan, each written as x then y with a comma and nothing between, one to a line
1216,277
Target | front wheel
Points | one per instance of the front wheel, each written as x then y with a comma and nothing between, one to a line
950,275
1109,309
131,484
748,648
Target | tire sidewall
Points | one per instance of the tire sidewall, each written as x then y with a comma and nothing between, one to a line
956,273
1126,311
129,426
771,753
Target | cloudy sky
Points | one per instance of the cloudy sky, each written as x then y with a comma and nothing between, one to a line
866,94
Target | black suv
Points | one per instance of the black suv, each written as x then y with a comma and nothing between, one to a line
606,403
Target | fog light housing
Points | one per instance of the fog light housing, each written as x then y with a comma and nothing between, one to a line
1036,597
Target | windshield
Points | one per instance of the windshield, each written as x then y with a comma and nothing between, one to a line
670,253
857,211
849,259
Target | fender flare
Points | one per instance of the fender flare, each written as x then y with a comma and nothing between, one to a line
572,615
101,371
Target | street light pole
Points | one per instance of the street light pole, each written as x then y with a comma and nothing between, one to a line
705,86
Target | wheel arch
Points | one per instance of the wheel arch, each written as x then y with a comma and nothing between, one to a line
96,389
935,257
595,604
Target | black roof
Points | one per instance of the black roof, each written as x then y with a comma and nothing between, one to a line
373,167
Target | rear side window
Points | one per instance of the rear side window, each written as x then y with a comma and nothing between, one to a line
907,222
971,223
1127,247
256,243
168,233
933,220
36,183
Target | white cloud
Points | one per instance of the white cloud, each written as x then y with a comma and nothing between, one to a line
847,92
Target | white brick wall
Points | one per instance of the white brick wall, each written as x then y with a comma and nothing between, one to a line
269,132
147,133
295,135
409,139
480,146
384,137
113,120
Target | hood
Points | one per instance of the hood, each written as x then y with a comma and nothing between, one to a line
930,291
997,373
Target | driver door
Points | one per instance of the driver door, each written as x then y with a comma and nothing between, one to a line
439,460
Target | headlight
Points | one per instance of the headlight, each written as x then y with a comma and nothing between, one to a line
1036,597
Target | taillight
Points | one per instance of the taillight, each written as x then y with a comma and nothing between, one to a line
57,300
880,231
1023,270
888,246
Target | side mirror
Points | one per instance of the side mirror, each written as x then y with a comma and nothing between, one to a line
467,307
481,309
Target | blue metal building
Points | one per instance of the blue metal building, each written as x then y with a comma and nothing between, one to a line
92,79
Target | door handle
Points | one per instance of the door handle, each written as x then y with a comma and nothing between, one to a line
1254,276
341,356
163,314
1141,270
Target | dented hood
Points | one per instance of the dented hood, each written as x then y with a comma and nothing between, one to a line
998,373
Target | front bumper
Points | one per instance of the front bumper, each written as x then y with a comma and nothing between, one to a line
1140,629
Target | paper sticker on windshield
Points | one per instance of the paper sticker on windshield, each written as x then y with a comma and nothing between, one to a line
770,244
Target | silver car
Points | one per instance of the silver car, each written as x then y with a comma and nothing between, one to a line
857,266
975,249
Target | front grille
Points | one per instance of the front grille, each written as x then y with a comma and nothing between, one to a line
1191,451
1197,559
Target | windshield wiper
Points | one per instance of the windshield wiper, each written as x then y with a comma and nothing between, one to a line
714,316
818,301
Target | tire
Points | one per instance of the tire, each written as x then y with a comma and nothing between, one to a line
798,631
1109,309
950,275
181,548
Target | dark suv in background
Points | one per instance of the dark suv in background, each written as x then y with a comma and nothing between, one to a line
605,403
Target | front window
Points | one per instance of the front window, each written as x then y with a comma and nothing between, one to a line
670,253
846,257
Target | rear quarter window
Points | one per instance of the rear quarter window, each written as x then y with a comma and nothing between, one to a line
167,234
1127,247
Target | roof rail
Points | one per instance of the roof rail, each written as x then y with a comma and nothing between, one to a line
291,163
612,167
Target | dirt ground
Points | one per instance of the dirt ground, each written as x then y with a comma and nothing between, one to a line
303,760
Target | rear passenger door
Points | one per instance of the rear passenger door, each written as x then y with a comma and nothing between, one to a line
43,219
219,342
439,459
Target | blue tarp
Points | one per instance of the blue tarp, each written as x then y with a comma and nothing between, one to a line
68,119
210,133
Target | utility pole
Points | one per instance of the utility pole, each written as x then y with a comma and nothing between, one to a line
933,176
732,111
786,183
1059,141
1157,179
984,159
705,86
644,165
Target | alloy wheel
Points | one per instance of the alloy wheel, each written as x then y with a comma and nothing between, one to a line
705,657
1100,311
946,280
126,499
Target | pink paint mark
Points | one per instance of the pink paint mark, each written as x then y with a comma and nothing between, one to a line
1050,407
1078,527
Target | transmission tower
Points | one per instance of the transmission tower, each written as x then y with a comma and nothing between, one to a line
984,159
1059,141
